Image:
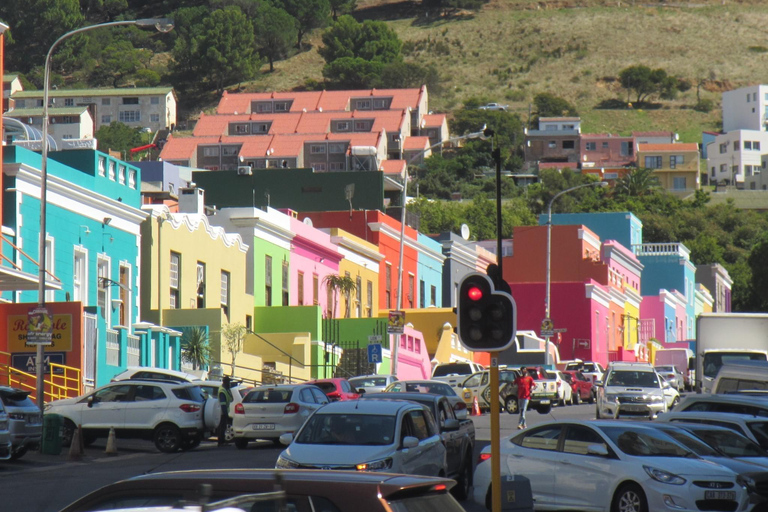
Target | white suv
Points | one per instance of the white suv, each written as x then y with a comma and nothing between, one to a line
630,389
173,415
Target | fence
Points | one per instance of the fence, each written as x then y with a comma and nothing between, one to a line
134,350
113,347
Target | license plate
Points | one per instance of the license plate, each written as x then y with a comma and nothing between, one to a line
634,408
264,426
719,495
544,402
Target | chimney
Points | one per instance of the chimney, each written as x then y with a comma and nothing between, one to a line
192,200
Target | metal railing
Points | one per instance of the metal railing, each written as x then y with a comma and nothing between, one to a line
61,381
133,351
113,347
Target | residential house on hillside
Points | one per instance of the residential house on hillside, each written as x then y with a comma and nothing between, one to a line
745,108
11,85
736,156
675,165
719,283
71,127
554,144
607,156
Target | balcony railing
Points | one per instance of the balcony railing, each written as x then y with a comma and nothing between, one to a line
113,347
663,249
134,350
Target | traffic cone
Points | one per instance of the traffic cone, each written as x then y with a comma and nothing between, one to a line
476,408
111,446
76,446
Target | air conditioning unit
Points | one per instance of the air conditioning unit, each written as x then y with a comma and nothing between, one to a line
244,170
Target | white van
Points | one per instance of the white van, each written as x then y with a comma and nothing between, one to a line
741,375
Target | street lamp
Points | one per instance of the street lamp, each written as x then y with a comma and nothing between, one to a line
482,134
549,251
159,24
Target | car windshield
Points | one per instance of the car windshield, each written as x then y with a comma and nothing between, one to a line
282,396
452,369
692,442
368,382
728,443
631,378
348,429
428,503
193,393
644,442
669,369
437,388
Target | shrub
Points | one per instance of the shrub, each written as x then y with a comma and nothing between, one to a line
705,106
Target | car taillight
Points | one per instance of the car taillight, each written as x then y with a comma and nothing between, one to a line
439,487
460,406
291,408
558,383
190,407
239,409
483,457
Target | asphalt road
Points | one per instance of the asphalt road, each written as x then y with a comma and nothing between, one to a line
47,483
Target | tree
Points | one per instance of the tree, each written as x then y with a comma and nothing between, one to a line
339,7
118,137
274,30
549,105
353,73
233,336
118,60
227,48
309,14
370,40
638,182
340,285
405,75
195,348
645,82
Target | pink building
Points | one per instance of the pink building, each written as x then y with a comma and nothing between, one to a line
413,362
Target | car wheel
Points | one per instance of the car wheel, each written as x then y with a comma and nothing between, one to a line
17,454
576,398
464,481
167,438
229,433
629,498
189,444
511,405
67,432
591,398
674,403
597,412
544,409
241,443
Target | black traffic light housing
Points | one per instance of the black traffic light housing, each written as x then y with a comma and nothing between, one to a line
486,317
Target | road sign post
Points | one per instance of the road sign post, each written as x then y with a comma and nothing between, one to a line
374,353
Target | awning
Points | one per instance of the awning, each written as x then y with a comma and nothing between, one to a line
12,280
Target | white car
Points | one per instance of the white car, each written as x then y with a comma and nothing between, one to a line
6,445
752,427
630,389
592,370
238,390
372,383
610,466
671,395
672,375
148,372
174,415
564,390
267,412
394,436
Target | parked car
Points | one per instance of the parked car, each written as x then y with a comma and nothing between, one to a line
431,386
455,373
394,436
740,403
211,390
24,420
582,387
493,106
144,372
267,412
458,436
6,446
741,375
630,389
372,383
478,386
611,466
673,375
174,415
592,370
671,394
321,491
564,390
336,389
751,427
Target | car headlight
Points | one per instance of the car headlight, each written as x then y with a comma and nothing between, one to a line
746,482
3,424
376,465
285,463
611,397
664,477
16,416
657,398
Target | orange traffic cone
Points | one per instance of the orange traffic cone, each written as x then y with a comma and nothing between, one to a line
476,408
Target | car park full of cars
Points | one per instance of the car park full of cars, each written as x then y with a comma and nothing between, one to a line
609,465
173,415
306,491
630,390
25,422
267,412
394,436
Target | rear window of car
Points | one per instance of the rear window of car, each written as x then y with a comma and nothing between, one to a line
193,393
368,382
444,370
327,387
268,396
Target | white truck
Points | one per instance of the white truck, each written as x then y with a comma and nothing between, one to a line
728,337
683,358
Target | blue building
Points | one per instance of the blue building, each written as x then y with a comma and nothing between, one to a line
430,272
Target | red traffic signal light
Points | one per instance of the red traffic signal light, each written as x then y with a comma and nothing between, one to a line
475,293
486,317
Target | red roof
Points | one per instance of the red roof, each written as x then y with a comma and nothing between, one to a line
393,167
415,143
433,120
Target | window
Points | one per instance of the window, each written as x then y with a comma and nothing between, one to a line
410,290
336,166
747,144
578,438
260,128
317,149
379,104
723,168
285,283
422,293
300,284
342,126
106,119
605,145
388,286
129,116
315,289
175,274
736,145
359,297
675,160
225,292
369,299
723,148
69,102
626,148
363,104
154,118
102,286
591,146
653,162
154,100
264,107
200,285
230,150
756,145
131,101
105,102
336,148
211,151
267,280
552,144
124,308
281,106
318,167
433,295
542,439
362,126
569,144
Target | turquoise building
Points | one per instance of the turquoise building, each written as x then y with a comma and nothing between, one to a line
429,271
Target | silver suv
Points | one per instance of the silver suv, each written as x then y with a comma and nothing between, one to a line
630,389
24,420
174,415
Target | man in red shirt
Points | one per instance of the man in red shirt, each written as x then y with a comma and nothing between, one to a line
524,384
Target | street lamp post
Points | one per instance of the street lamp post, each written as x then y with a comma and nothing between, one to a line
549,252
160,24
482,134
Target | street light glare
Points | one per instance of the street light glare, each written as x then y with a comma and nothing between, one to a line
163,25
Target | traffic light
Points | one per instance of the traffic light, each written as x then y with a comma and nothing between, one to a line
486,317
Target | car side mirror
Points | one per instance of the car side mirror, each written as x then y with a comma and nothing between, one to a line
361,391
286,439
665,384
451,425
597,449
91,401
461,414
408,441
598,383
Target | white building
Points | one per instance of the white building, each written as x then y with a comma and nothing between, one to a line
745,108
65,125
736,156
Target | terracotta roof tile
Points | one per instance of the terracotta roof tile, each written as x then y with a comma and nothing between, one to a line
326,101
182,148
433,120
415,143
392,167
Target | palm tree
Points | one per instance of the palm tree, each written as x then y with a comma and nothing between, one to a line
639,182
194,347
340,284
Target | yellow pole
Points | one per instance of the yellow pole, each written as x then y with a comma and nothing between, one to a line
495,436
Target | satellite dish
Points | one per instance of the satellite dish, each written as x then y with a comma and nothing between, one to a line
465,232
308,221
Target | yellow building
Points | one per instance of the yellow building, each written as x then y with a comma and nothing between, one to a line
675,165
361,263
193,274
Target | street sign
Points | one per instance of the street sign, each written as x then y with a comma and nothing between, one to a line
375,338
374,353
39,327
27,362
561,329
396,323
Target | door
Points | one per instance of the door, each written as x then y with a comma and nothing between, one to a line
581,479
536,457
145,406
426,458
451,440
107,409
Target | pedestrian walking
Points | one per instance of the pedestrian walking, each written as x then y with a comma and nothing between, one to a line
524,385
225,398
